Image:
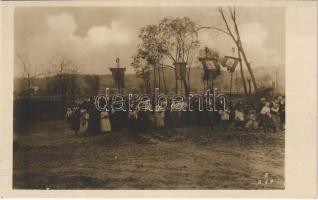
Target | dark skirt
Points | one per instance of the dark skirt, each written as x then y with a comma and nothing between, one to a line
268,122
75,123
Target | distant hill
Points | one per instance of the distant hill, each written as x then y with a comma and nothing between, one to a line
88,85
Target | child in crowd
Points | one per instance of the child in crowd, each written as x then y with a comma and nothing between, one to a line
275,115
75,119
282,111
267,118
239,118
133,117
251,123
225,118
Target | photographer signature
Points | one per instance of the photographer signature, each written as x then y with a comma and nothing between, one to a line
266,180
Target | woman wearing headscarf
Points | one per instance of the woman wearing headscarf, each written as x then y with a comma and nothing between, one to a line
84,116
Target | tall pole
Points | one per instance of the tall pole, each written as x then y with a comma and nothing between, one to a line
159,78
249,86
231,83
154,78
176,81
233,51
118,76
242,73
276,80
236,83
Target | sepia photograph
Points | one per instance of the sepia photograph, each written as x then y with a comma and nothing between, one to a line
149,98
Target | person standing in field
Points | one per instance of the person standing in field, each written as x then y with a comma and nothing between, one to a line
275,115
75,119
84,116
239,118
259,107
282,111
225,119
251,123
104,122
94,118
133,118
159,116
267,118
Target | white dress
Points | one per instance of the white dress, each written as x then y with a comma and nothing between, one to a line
83,121
159,117
104,122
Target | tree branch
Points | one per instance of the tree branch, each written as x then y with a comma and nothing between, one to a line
214,28
227,25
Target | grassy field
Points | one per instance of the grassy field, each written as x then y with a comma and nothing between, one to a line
49,156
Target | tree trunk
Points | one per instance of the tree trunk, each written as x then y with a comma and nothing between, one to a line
159,77
231,83
238,43
249,87
186,87
248,66
240,48
29,87
154,78
163,79
242,73
176,76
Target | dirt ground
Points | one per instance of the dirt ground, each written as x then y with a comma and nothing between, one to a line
49,156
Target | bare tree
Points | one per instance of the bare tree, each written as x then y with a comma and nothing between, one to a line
46,73
238,41
142,70
234,33
66,70
29,73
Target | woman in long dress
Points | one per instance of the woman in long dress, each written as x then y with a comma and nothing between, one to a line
275,115
267,118
104,122
239,118
75,120
159,116
84,121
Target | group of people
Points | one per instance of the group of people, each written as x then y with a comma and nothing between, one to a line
268,115
85,118
264,114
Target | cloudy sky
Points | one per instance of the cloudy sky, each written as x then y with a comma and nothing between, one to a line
95,37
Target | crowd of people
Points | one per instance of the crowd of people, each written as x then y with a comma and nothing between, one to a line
265,114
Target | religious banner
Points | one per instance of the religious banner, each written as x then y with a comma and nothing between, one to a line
211,67
119,77
209,64
230,63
